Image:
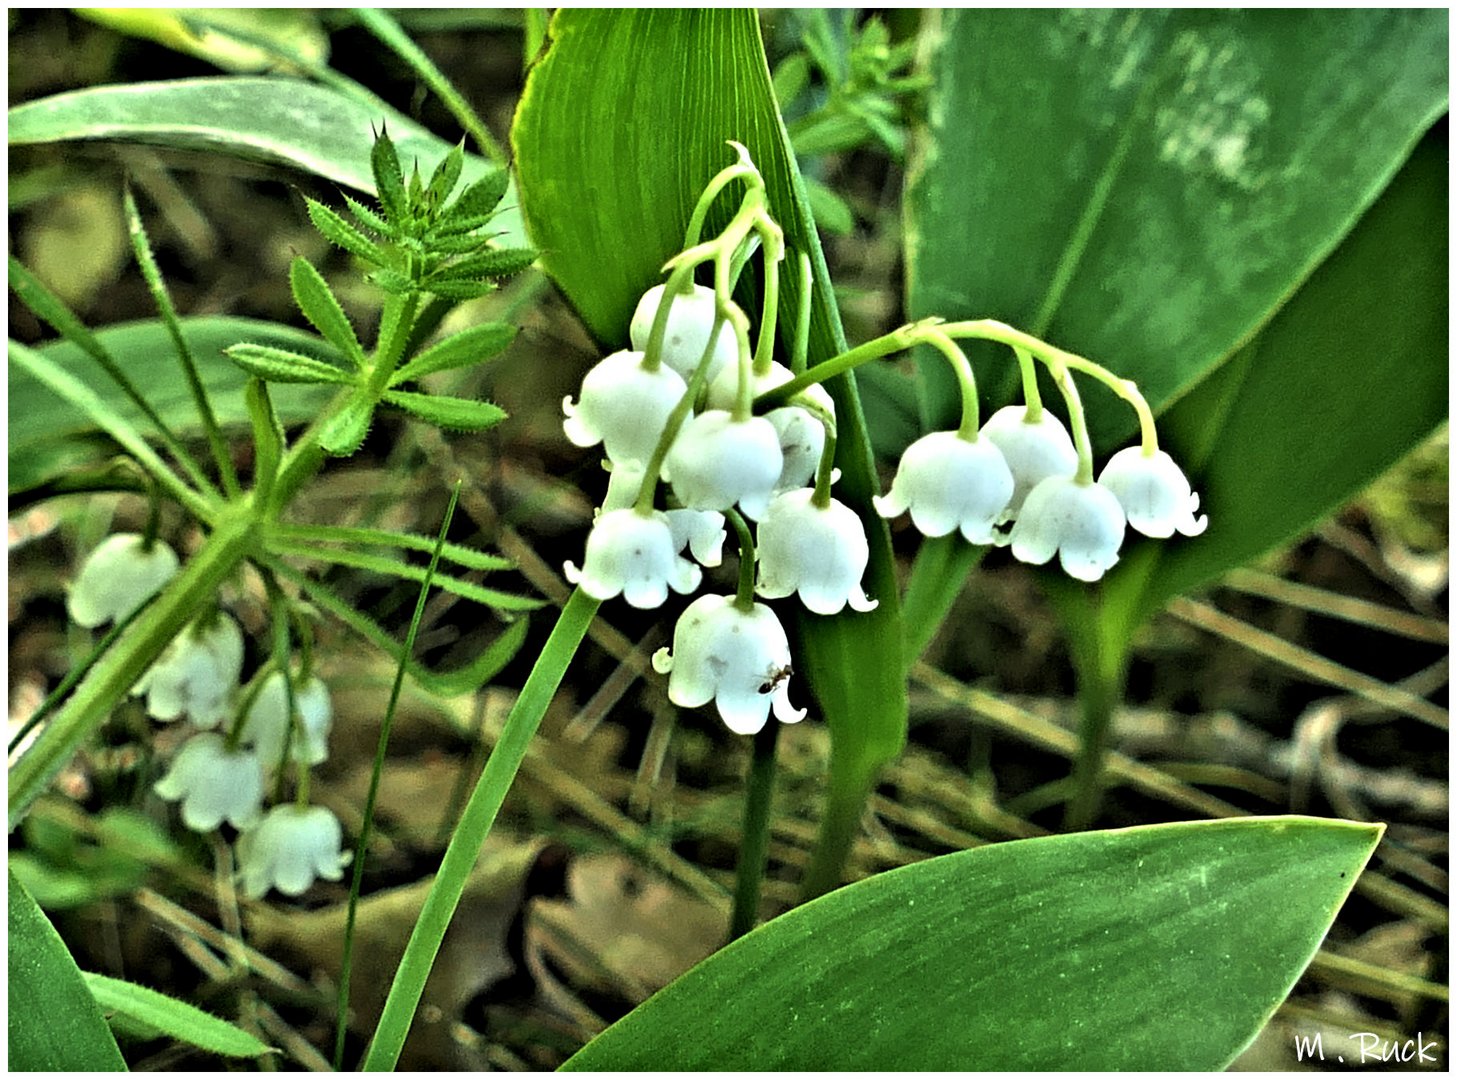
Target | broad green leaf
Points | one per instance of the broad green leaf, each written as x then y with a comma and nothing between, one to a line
316,300
233,39
49,433
1163,947
1349,375
623,121
450,413
171,1017
284,366
1144,187
459,350
53,1024
281,121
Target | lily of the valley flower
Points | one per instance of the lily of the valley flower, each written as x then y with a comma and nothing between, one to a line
117,578
819,552
633,554
801,435
717,461
623,406
214,784
690,321
700,531
266,728
196,675
289,848
950,482
1033,451
737,659
1081,521
1154,493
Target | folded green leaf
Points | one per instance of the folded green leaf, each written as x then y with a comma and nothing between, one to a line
1163,947
450,413
342,234
345,432
443,179
459,350
281,365
184,1022
53,1022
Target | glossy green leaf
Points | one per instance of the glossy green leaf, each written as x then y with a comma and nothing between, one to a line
53,1022
450,413
1163,947
168,1016
318,304
1144,187
281,121
1349,375
468,347
608,181
284,366
49,434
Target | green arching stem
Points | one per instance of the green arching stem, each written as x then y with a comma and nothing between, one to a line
744,398
758,802
970,406
1064,380
744,600
1030,392
679,283
475,822
773,237
1128,390
742,169
800,357
897,340
825,474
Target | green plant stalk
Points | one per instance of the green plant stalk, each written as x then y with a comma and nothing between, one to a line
850,784
113,676
1100,656
758,802
475,823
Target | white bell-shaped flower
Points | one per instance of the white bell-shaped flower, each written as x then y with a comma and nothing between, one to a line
623,406
690,321
117,578
1154,493
636,555
819,552
196,675
266,727
950,482
717,461
289,848
214,784
1082,521
701,531
1033,452
737,659
801,436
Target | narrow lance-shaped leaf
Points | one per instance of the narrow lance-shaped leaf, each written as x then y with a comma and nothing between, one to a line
471,558
481,197
346,430
452,289
459,350
318,304
389,181
184,1022
497,263
281,365
342,234
443,179
453,414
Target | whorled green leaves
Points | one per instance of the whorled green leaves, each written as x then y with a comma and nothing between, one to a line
1164,947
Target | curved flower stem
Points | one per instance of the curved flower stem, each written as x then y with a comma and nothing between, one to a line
743,169
825,474
970,406
897,340
744,601
475,822
1030,392
773,239
758,804
800,357
1078,418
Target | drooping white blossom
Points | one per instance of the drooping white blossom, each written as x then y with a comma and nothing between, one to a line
117,578
737,659
949,482
801,435
690,321
214,784
266,727
196,675
1032,451
623,406
289,849
818,552
700,531
633,554
1083,522
1154,493
717,462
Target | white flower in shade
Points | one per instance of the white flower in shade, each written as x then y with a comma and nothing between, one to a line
717,461
949,482
623,406
702,531
819,552
1083,521
1033,452
215,784
737,659
266,728
636,555
690,321
196,675
801,435
117,578
1154,493
289,848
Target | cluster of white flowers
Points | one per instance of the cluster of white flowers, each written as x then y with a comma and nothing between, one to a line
1022,469
726,650
219,777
